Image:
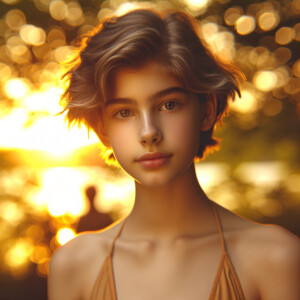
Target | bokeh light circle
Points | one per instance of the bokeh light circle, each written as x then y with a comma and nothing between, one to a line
268,20
265,80
245,25
284,35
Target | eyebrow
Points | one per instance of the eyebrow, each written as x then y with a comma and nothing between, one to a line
156,95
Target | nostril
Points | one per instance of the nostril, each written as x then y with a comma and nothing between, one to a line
150,137
153,140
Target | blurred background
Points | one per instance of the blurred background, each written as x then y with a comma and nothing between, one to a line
50,176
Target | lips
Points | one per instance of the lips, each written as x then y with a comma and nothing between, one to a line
154,160
154,155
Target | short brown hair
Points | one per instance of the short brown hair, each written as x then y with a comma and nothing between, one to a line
138,37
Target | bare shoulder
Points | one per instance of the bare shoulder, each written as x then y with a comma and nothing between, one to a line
274,260
271,245
268,254
74,266
265,235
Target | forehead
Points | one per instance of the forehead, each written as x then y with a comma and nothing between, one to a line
142,82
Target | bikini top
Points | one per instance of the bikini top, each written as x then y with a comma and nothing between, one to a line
226,285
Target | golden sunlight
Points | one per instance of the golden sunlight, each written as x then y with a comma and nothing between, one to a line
265,80
245,25
268,20
265,174
16,88
64,235
247,103
196,5
58,10
211,174
61,191
32,35
18,255
11,212
118,192
40,253
34,125
220,42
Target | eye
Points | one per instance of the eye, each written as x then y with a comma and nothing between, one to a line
170,105
123,114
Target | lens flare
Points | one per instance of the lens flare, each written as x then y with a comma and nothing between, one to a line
64,235
17,88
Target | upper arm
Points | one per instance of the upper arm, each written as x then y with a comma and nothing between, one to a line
279,274
62,283
73,267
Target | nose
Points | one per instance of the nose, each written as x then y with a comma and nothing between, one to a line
149,131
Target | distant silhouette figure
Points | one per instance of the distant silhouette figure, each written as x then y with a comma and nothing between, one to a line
93,220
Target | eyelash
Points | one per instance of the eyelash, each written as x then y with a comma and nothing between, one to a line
177,105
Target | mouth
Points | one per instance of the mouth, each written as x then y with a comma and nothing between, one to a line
154,160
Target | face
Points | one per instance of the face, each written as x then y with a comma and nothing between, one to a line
152,124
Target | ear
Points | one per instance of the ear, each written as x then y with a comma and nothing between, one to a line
210,115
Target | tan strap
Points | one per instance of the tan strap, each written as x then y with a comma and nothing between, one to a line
223,244
115,238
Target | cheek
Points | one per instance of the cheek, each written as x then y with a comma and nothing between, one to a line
184,130
121,137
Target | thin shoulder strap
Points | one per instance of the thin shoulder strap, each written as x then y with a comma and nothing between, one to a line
115,238
219,228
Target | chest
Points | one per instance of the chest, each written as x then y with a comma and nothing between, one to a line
167,272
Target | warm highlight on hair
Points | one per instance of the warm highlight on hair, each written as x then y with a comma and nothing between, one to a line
132,40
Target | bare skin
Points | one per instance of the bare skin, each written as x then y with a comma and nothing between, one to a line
170,245
157,261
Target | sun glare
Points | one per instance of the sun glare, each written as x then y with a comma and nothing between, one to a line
47,100
211,174
16,88
119,191
59,191
64,235
34,124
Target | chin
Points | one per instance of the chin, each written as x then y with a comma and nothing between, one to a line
160,177
157,180
154,183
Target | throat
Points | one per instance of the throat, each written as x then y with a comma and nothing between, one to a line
175,210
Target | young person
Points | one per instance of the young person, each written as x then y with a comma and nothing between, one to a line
153,93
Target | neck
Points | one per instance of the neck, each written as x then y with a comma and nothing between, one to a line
177,209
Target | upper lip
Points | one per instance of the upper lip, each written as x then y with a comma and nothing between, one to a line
153,155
